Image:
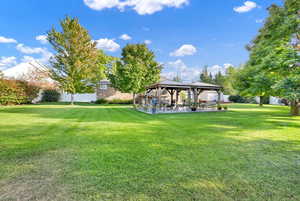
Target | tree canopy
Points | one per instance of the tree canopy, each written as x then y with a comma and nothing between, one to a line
274,56
76,57
135,70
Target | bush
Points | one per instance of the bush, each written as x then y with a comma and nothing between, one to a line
241,99
115,101
50,95
266,99
119,101
237,99
30,90
101,101
17,92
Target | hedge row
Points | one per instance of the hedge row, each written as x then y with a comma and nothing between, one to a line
17,92
115,101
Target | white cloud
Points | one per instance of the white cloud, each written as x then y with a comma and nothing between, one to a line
248,6
142,7
28,59
101,4
6,62
44,52
179,65
217,68
179,68
184,50
29,50
42,39
107,44
125,37
186,73
148,42
7,40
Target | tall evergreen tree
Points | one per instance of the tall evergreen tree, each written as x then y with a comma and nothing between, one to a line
136,69
205,76
76,56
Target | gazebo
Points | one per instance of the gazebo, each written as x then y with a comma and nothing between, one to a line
174,88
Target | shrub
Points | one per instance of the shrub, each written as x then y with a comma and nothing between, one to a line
17,92
266,100
30,90
50,95
114,101
119,101
241,99
237,99
101,101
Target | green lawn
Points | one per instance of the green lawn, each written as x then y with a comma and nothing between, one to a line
89,152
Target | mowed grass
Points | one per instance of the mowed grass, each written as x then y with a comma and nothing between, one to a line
87,152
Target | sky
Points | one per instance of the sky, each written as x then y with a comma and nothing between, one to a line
185,35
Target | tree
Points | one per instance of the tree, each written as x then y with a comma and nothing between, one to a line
205,76
98,73
275,53
136,69
249,81
76,56
289,89
177,78
229,82
219,79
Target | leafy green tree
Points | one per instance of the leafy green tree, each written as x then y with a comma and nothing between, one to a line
76,57
229,81
274,53
289,89
250,82
219,79
136,69
99,72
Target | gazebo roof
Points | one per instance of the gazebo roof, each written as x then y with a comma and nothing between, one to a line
207,85
180,85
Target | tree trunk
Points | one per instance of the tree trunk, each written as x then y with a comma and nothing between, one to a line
261,101
133,98
72,99
294,108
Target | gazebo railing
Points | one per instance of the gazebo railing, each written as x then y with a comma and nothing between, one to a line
167,108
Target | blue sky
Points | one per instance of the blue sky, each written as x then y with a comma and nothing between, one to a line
184,34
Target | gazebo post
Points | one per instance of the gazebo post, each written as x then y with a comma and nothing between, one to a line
172,96
177,96
146,98
189,97
158,96
195,96
219,97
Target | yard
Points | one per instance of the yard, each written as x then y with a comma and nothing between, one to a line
87,152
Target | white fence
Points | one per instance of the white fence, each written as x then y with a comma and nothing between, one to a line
65,97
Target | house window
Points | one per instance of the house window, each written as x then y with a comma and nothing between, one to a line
103,86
